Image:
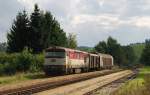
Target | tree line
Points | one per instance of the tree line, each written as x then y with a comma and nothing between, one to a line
145,57
37,32
123,55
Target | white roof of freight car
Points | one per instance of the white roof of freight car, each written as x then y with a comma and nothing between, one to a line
104,55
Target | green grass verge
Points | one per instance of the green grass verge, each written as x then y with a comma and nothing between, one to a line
20,77
137,86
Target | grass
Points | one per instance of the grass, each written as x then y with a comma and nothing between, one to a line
20,77
138,86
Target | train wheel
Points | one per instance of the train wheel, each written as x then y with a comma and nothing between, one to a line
71,71
78,70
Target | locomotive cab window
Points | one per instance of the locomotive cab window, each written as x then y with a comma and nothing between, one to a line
54,54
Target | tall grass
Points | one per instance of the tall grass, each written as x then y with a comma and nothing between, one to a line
21,77
138,86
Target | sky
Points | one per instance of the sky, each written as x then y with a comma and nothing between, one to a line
128,21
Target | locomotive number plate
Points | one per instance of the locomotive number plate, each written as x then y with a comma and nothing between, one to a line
53,60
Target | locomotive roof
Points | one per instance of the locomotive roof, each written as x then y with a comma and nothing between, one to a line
92,54
66,49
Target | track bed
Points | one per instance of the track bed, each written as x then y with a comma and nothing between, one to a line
38,85
84,87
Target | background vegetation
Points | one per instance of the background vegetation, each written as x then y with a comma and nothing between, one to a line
138,49
123,55
145,57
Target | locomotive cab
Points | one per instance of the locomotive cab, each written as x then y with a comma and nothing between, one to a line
55,61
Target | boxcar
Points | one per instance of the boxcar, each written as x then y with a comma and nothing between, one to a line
94,62
106,61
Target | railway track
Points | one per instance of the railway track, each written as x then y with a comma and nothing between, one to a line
83,87
50,83
110,88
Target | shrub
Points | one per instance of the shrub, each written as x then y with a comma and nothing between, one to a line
1,69
4,58
37,63
7,63
9,69
24,60
20,62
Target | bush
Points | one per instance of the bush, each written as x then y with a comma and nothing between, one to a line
9,69
6,58
7,63
24,60
37,64
20,62
1,69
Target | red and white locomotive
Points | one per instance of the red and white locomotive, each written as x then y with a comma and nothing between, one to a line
62,60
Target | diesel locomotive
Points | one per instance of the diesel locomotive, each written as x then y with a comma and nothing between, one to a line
60,60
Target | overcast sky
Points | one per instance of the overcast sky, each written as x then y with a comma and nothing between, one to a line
92,21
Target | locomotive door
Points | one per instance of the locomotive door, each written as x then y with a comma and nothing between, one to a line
86,62
98,62
68,63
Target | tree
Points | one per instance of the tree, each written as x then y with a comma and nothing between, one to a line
101,47
3,47
46,28
130,55
36,33
113,48
71,40
17,38
116,51
57,36
145,57
45,31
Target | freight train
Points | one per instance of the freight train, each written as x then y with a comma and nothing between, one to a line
60,60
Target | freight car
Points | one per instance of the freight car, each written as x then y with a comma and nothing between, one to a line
106,61
60,60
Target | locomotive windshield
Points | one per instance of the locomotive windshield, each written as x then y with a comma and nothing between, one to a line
55,54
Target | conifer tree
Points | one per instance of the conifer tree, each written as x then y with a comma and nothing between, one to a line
145,57
17,38
36,33
45,31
